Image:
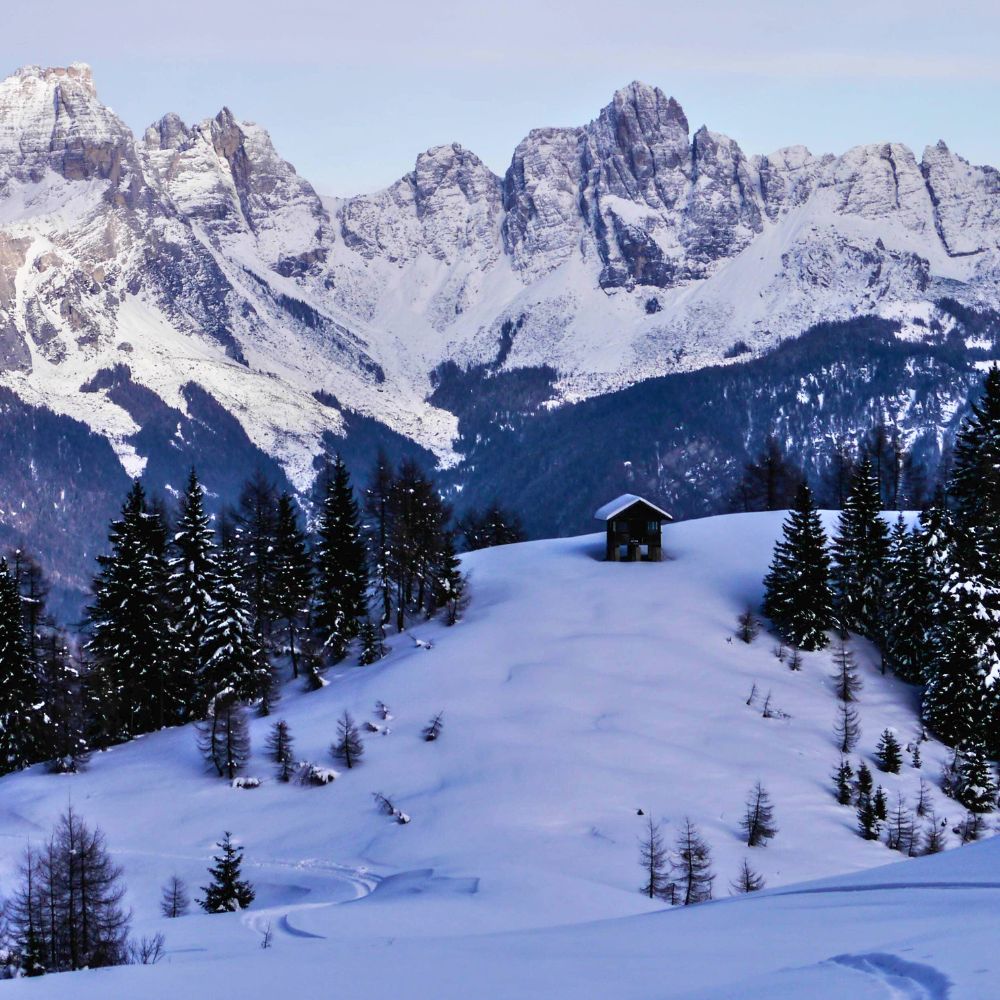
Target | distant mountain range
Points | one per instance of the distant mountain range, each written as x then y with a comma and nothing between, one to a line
185,296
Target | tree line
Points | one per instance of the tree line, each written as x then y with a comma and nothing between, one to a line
192,616
927,596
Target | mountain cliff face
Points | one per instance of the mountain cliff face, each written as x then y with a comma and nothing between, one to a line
155,288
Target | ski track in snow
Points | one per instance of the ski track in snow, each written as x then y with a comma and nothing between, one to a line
901,980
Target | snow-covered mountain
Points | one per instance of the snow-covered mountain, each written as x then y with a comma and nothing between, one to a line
186,284
518,873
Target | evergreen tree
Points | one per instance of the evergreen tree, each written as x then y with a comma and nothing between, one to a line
292,578
20,736
798,598
906,650
450,584
880,804
280,749
228,892
747,881
692,866
34,590
234,662
174,900
868,822
379,506
493,526
860,550
341,567
348,747
192,581
255,536
372,645
64,716
975,786
136,668
888,752
653,861
842,777
769,482
934,839
866,783
432,731
975,482
758,817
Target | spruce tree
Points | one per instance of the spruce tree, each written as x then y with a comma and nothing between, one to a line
450,584
868,822
136,668
341,566
860,550
975,786
866,783
888,752
906,649
234,663
975,482
64,732
292,578
228,892
21,737
372,645
881,804
798,598
191,586
255,536
842,777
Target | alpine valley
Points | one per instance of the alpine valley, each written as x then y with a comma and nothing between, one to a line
631,305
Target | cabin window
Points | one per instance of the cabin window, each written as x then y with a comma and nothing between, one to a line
652,527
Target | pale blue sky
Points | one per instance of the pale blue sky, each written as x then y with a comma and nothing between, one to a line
351,92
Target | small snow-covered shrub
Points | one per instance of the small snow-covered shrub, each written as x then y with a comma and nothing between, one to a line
312,774
246,782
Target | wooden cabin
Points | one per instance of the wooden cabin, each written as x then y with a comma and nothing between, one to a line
633,526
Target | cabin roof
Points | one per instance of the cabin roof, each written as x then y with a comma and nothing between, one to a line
626,500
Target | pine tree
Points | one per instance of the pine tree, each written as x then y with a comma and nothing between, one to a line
292,578
868,823
494,526
228,892
880,804
758,818
906,649
280,749
866,783
450,583
379,496
798,598
860,550
34,590
975,786
223,737
975,482
653,861
923,798
191,586
842,777
747,626
769,482
846,679
888,752
372,645
255,537
747,881
348,747
692,866
234,662
64,716
341,566
174,899
136,668
847,728
20,735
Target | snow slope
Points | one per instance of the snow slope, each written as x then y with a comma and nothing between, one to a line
574,693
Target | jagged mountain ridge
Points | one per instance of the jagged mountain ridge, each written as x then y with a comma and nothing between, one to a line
186,293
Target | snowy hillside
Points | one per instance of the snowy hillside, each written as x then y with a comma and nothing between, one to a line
575,693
